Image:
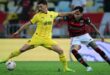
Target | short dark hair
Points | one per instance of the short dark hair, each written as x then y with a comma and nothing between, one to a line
42,2
80,8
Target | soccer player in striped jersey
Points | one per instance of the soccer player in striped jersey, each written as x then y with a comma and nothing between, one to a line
79,34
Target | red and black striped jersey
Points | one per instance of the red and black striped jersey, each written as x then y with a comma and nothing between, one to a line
77,27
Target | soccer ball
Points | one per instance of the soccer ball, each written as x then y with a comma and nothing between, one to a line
10,65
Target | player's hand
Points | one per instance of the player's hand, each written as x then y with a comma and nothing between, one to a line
102,39
15,34
75,11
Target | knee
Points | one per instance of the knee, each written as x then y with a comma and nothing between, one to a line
57,49
93,45
76,48
60,51
23,50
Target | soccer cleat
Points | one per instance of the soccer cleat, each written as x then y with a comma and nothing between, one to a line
68,70
89,69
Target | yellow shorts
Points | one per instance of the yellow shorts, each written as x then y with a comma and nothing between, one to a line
41,41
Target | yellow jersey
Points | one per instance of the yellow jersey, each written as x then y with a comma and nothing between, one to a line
44,23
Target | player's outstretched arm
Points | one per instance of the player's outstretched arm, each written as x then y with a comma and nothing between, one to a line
62,14
94,27
21,28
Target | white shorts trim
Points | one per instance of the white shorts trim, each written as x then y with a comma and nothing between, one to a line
85,39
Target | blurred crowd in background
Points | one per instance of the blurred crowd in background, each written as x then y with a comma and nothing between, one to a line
14,13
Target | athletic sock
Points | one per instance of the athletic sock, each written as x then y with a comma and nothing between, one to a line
65,64
103,55
79,58
63,60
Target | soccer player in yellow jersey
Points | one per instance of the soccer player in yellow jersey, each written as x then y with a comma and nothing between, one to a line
43,34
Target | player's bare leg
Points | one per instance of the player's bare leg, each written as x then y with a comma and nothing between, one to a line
17,52
98,50
75,49
62,58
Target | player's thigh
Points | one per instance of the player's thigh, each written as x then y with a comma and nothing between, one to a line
30,44
48,43
75,43
36,41
86,39
52,45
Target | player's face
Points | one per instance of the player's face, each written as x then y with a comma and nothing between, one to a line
78,15
42,7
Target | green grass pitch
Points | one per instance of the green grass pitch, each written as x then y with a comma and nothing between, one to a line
41,61
54,68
